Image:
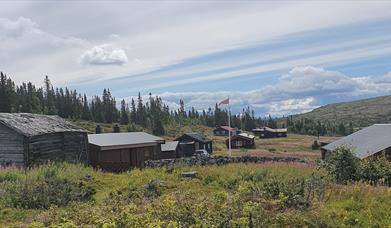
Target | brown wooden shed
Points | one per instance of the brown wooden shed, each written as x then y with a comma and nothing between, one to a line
123,151
30,139
242,140
171,150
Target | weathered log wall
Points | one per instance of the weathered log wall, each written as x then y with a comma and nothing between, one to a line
64,146
11,147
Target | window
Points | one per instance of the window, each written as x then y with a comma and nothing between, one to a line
239,143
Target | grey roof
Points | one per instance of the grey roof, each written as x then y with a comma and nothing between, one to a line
198,137
246,135
36,124
242,135
277,130
365,142
169,146
123,140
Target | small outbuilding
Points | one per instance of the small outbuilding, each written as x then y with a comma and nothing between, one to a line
370,141
224,131
267,132
190,142
242,140
30,139
123,151
171,150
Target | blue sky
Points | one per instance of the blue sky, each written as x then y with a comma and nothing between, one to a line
277,57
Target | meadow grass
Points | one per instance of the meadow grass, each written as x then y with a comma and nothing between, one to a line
271,194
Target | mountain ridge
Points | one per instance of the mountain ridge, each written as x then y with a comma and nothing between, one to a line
361,113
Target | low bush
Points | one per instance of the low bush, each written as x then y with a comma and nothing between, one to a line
345,167
43,187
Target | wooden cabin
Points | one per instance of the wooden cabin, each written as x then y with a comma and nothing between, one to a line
171,150
30,139
370,141
224,131
190,142
123,151
267,132
242,140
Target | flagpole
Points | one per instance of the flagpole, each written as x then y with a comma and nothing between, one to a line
229,127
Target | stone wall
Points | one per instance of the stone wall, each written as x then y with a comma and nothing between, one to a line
219,160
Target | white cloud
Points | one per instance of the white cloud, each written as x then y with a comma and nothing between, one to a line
170,32
17,28
300,90
104,54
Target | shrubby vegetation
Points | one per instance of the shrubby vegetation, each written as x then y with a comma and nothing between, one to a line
234,195
42,188
345,167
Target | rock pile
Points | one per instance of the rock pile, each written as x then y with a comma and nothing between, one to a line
219,160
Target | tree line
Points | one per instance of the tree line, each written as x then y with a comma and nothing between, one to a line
318,128
152,113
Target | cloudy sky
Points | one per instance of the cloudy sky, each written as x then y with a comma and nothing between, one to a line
276,57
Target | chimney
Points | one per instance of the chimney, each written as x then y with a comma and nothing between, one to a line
116,129
98,129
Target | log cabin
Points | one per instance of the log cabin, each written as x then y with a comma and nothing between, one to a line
122,151
242,140
31,139
224,131
267,132
190,142
370,141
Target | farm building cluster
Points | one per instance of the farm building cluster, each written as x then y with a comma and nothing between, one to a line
31,139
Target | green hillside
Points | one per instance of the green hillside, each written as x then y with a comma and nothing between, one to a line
360,112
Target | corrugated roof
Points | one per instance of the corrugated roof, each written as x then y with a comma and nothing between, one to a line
123,140
198,137
29,124
169,146
365,142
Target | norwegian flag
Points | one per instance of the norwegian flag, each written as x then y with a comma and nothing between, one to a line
226,101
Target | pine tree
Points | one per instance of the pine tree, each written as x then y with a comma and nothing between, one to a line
124,113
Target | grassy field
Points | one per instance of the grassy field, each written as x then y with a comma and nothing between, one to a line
234,195
293,146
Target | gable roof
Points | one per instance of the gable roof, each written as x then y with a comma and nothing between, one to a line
365,142
110,141
226,128
277,130
169,146
29,124
242,135
197,137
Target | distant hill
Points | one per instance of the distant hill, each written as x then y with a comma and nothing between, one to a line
360,112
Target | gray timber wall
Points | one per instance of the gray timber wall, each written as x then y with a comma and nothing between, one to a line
65,146
11,147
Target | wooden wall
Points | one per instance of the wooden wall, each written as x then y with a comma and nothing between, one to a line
118,160
11,147
64,146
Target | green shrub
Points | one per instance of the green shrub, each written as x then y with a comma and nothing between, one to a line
30,193
375,169
343,165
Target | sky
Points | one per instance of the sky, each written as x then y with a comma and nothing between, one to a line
277,57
